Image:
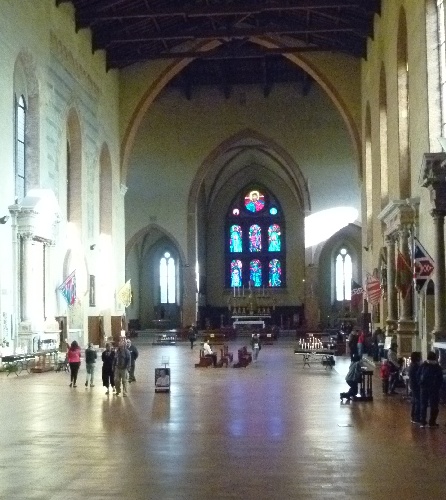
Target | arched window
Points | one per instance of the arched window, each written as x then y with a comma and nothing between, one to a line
442,60
343,273
254,229
20,162
167,279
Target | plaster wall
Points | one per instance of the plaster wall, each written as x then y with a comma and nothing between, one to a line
66,75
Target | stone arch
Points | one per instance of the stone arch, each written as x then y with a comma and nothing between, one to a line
368,180
142,252
383,146
175,67
27,84
294,174
74,168
403,107
105,191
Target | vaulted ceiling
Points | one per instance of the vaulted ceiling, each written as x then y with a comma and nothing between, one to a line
134,31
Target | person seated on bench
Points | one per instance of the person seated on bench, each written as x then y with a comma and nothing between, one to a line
209,353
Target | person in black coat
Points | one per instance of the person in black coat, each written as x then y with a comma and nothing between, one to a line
414,384
431,380
108,378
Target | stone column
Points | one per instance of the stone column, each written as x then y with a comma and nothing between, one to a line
406,301
439,275
392,299
27,272
433,177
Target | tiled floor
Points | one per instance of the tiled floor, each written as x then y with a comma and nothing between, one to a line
274,430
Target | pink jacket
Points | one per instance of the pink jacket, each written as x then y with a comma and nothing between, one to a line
74,355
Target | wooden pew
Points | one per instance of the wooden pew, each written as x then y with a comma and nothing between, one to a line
244,358
204,361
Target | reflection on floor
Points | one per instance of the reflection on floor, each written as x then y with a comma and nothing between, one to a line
271,430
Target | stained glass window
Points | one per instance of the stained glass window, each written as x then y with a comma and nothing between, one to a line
255,238
235,242
275,273
255,272
274,238
254,201
236,273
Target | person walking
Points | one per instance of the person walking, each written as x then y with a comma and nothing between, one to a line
394,367
90,363
121,367
431,380
192,335
107,368
414,385
255,345
353,343
361,343
74,360
133,357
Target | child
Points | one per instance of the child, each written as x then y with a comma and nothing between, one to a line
384,373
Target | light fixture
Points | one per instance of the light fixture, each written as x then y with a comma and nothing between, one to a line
4,219
92,247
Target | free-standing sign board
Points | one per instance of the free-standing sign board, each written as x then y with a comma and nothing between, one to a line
162,379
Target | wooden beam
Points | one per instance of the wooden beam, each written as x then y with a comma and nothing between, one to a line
90,16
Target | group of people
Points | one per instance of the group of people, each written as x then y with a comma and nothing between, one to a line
118,365
255,345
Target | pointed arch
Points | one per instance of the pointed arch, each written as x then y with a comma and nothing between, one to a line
383,137
172,69
368,182
403,107
74,169
105,192
26,85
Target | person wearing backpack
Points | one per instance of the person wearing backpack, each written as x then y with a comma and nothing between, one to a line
353,378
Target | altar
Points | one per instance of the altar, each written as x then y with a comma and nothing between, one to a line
251,309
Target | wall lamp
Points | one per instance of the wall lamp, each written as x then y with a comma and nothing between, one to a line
4,219
92,247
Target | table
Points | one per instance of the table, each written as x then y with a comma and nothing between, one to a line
15,363
325,356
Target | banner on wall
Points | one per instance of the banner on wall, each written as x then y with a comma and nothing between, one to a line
125,294
373,289
423,266
357,295
403,278
68,288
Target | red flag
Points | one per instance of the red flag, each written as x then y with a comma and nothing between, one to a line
404,274
373,287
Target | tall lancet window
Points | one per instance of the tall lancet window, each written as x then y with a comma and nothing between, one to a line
20,162
343,272
167,279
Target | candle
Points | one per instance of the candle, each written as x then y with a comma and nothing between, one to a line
234,291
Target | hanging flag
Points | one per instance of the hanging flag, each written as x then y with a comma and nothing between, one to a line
357,294
68,288
125,294
423,266
403,278
373,288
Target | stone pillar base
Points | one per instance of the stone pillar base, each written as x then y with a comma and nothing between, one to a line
405,334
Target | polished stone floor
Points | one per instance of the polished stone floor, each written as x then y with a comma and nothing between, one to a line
274,430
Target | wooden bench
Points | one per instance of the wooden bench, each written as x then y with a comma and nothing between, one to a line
226,354
204,361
